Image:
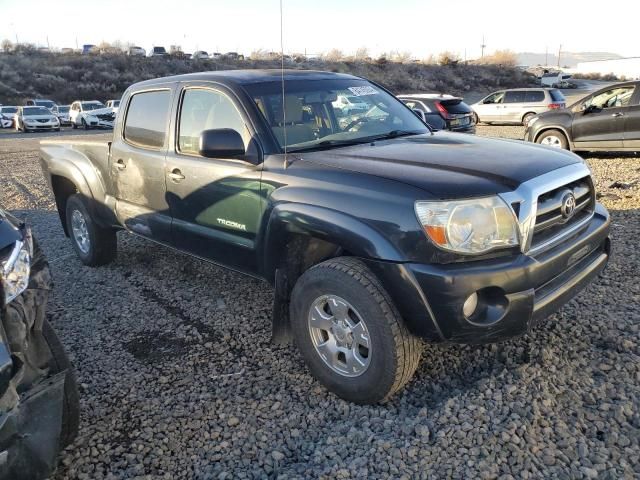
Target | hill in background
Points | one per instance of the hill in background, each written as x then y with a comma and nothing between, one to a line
65,78
567,59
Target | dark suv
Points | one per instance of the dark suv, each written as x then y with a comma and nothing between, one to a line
442,112
608,120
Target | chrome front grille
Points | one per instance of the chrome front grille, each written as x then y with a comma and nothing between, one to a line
107,116
551,221
538,206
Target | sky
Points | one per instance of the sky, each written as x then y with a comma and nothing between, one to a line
421,28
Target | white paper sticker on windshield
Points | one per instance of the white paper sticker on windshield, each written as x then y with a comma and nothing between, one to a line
362,91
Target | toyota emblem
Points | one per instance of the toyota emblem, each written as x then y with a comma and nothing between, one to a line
568,206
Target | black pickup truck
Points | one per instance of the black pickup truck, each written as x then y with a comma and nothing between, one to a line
375,232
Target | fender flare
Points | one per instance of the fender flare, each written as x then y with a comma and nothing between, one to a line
350,233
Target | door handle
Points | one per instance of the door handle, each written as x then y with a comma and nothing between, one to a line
176,175
120,165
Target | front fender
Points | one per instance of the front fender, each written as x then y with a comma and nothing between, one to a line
348,232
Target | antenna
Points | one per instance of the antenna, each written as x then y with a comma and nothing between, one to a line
284,110
482,46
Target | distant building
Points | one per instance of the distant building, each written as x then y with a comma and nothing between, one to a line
621,67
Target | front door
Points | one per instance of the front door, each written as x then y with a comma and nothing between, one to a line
215,202
599,121
137,164
490,109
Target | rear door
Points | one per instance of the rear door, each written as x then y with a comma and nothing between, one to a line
215,202
631,136
137,164
601,122
513,106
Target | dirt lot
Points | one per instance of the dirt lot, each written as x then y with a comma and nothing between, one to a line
179,380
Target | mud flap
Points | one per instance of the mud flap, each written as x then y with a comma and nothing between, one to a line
30,433
280,325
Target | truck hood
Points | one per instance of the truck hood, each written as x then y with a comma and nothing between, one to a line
449,165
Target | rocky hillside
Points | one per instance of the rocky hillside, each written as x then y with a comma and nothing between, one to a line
64,78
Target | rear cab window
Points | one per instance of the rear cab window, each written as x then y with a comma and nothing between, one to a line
146,121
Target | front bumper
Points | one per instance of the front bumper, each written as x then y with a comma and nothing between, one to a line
31,397
514,293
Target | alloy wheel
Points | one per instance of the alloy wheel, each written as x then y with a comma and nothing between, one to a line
339,335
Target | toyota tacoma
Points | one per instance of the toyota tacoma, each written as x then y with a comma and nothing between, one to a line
376,233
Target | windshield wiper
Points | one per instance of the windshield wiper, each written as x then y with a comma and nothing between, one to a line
330,143
394,134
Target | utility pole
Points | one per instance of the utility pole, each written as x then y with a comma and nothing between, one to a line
546,56
559,52
482,47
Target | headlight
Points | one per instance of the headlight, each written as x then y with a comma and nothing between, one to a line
469,226
16,269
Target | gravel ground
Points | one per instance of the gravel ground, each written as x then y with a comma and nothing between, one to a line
179,380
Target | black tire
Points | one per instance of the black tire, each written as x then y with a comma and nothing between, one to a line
476,118
56,129
562,140
395,352
103,244
85,125
71,403
73,125
527,117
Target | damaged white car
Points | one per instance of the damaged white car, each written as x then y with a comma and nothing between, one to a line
91,114
39,407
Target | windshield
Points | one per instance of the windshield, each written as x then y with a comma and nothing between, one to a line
45,103
29,111
313,117
63,109
8,109
91,106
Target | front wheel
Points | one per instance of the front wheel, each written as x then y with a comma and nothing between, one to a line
95,245
553,138
85,125
350,334
527,118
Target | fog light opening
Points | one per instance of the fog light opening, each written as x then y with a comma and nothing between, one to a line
470,305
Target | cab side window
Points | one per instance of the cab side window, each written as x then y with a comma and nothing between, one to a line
146,121
514,96
494,98
616,97
205,109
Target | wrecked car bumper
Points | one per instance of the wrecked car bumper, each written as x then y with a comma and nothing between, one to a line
512,294
31,395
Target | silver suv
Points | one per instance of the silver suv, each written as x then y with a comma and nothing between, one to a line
517,105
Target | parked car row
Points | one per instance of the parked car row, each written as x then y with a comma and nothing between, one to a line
41,114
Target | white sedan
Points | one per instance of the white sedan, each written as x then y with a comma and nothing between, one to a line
91,114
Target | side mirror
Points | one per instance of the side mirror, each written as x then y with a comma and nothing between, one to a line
420,114
221,143
589,109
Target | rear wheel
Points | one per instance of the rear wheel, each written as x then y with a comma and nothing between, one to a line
476,118
350,334
95,245
553,138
